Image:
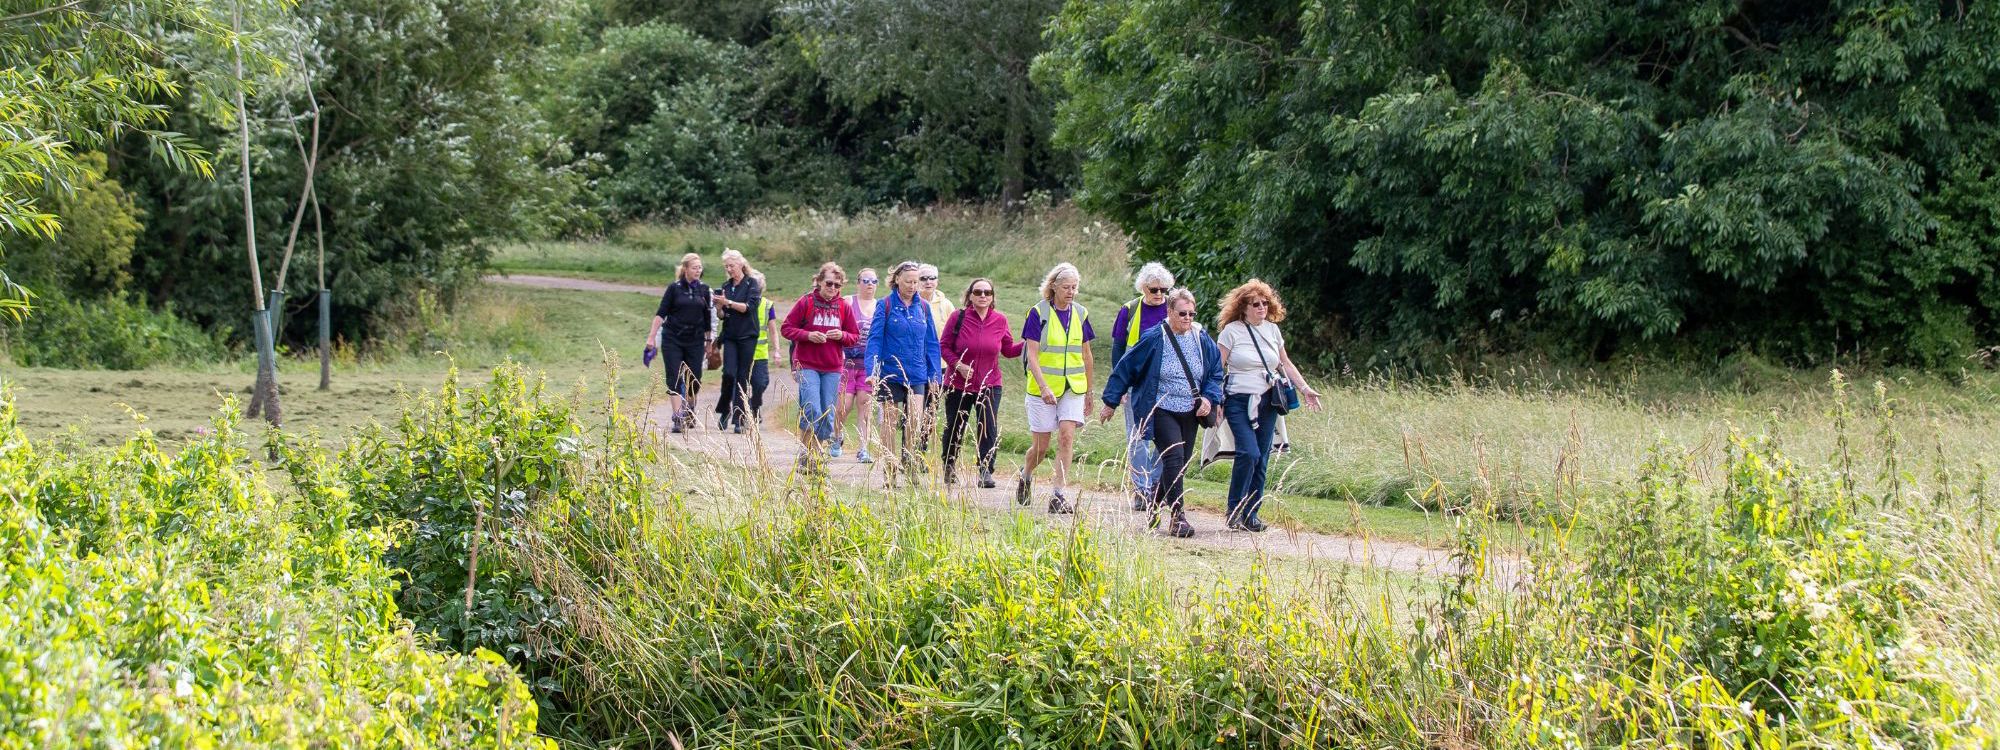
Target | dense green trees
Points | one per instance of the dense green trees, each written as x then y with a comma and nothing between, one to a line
1802,178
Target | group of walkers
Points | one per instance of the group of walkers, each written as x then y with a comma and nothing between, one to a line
896,349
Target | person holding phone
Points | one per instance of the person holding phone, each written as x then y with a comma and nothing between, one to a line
818,326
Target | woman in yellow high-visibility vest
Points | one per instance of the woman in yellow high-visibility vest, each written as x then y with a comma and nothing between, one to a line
1060,369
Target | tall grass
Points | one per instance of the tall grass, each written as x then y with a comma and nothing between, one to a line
1775,605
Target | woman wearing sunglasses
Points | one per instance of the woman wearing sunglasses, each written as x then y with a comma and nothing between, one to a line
818,326
975,340
1136,317
854,389
1173,378
1253,351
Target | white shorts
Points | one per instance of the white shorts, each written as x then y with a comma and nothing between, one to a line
1042,417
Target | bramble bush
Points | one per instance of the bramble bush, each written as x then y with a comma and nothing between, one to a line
158,598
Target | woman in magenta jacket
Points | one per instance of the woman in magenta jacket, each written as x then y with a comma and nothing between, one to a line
975,340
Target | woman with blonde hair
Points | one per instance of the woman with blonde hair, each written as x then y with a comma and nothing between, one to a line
1057,335
681,331
738,302
1258,370
854,388
903,359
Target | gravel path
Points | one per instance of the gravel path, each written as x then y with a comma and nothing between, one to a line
778,447
565,282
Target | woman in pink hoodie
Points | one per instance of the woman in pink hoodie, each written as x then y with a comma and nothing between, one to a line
975,339
818,326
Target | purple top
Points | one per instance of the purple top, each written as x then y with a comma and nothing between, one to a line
1031,329
1149,316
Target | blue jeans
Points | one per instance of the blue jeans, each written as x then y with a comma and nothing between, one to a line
1143,458
819,393
1253,454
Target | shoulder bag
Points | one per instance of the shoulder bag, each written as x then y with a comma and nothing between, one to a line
1207,421
1288,395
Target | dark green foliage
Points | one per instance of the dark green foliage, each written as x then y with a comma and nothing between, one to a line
1803,178
431,152
113,332
457,474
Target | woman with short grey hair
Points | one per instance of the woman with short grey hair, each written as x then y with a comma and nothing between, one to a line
1141,314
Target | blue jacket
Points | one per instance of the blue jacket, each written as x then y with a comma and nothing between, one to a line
903,343
1138,372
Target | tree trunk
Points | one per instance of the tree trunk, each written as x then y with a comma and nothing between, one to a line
325,340
263,395
1014,154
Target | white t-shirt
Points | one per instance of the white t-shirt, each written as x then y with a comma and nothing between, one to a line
1243,370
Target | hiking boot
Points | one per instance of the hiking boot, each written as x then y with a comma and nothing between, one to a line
738,429
862,457
1024,487
676,428
1060,505
1141,500
1180,528
1254,525
835,450
986,479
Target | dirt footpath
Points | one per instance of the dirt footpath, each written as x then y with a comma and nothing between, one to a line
565,282
777,447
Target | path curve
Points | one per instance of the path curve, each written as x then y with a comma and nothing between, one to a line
569,283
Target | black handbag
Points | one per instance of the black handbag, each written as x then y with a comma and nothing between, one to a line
1288,395
1209,420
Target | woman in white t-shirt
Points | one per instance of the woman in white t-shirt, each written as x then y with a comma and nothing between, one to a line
1254,361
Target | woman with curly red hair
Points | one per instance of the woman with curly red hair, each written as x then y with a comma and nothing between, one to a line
1255,365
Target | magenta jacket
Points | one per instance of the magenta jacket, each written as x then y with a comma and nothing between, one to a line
980,343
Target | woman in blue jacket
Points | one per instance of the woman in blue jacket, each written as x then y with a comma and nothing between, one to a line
903,355
1174,375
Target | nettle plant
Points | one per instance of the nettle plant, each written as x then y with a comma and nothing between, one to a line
1779,595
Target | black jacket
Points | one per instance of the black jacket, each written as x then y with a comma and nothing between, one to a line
684,307
737,326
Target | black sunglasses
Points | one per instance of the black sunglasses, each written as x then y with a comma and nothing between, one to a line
1158,290
832,283
927,278
1183,313
982,292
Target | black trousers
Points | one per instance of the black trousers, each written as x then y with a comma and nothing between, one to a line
738,356
958,408
683,360
760,379
1173,436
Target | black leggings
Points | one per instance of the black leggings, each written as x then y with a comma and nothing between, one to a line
958,407
1173,436
760,378
683,361
737,357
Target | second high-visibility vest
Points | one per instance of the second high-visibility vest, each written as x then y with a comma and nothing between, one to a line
764,313
1133,310
1062,351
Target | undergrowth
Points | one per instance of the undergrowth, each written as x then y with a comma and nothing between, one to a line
1781,607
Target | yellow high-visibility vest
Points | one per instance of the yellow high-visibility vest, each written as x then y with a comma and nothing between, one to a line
1062,351
763,331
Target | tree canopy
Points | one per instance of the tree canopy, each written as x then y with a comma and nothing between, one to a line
1797,177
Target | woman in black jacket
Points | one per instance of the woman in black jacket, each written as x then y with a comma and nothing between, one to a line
737,300
681,331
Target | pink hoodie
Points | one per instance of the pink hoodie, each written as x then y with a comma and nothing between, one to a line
979,343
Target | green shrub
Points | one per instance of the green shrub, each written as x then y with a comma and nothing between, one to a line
1773,613
157,599
113,333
